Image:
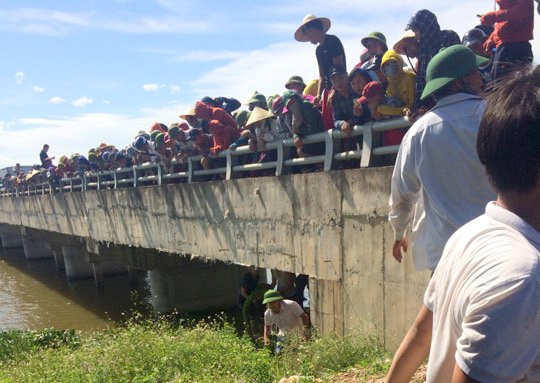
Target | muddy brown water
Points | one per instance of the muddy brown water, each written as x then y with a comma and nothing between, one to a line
34,295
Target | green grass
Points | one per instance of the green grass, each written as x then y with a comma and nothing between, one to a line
158,351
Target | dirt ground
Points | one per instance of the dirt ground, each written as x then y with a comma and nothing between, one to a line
358,376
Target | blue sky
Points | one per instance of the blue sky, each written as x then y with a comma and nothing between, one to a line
78,73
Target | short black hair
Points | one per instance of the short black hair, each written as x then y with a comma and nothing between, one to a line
509,136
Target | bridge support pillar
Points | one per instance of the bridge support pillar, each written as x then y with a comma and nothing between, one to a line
195,286
59,259
34,248
11,237
76,263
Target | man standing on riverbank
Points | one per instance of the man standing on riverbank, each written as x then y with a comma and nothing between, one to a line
481,312
288,316
438,180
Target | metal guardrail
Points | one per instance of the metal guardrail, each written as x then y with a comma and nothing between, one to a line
153,174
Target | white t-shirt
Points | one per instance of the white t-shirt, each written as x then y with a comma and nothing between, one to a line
438,183
485,299
288,318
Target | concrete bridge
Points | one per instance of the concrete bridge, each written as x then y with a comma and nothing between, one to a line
195,239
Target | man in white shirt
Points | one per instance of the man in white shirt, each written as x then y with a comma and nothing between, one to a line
287,315
438,182
480,321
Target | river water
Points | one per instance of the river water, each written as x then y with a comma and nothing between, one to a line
34,295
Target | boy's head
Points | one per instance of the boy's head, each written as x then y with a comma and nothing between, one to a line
508,142
338,78
373,93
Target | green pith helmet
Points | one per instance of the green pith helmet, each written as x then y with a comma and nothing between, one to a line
271,296
295,80
154,134
257,98
448,65
241,117
374,36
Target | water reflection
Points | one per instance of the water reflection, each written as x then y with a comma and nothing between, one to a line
34,295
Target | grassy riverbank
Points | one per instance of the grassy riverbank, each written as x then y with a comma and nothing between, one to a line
157,351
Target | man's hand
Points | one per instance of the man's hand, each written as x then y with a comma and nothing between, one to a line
346,128
398,245
488,46
488,19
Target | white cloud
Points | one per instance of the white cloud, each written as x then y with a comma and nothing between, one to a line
173,89
56,100
82,102
106,102
38,89
151,87
207,56
19,76
24,143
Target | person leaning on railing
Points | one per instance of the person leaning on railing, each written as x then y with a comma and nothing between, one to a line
306,120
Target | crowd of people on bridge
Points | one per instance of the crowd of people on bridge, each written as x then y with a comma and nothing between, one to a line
380,86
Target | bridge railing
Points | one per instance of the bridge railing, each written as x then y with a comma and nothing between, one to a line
227,164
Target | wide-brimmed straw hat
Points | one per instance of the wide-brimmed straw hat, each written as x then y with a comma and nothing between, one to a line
258,114
399,47
299,35
188,112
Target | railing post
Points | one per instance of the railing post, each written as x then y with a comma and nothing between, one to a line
135,183
115,177
328,150
159,173
280,158
367,146
229,168
190,170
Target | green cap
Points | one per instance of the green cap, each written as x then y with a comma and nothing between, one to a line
374,36
271,296
448,65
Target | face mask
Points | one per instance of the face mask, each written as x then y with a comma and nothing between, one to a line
391,69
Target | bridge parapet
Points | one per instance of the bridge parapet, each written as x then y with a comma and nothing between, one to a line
331,226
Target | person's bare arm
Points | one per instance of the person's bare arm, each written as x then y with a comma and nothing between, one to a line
267,331
413,349
459,376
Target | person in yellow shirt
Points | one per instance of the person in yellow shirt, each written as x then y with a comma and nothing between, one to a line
401,85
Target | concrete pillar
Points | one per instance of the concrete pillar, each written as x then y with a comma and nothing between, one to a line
99,276
77,267
161,290
132,274
35,249
59,259
196,286
11,240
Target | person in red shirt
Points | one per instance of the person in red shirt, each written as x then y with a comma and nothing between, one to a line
513,29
